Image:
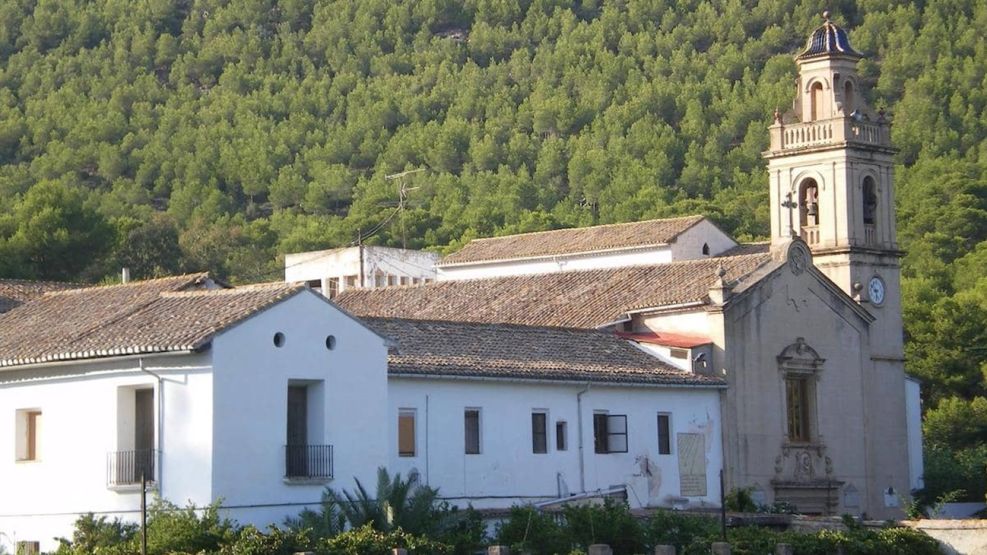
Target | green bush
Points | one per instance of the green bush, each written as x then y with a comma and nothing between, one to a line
680,530
368,541
527,528
97,535
610,523
251,541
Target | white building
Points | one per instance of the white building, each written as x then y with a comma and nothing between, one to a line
588,248
256,395
333,271
263,395
498,414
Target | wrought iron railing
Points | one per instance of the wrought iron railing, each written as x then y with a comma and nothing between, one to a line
308,461
124,468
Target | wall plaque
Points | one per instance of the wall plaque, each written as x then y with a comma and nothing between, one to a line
692,464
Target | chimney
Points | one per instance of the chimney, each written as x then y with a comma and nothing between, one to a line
125,275
720,291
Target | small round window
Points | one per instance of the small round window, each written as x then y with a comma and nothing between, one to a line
279,339
330,342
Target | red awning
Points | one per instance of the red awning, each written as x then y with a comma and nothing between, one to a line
667,339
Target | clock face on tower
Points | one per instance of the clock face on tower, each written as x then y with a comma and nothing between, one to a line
875,290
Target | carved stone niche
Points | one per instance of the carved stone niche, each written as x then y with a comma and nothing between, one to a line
800,357
803,470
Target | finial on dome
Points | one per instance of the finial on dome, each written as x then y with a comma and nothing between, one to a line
825,15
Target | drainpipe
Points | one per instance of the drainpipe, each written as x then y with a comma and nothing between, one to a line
579,420
426,442
160,438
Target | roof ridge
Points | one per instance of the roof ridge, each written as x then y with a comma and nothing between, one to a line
485,324
242,289
191,278
597,226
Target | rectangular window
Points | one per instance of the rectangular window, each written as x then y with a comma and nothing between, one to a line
664,434
539,432
28,425
561,436
471,421
333,287
797,397
679,353
406,432
609,433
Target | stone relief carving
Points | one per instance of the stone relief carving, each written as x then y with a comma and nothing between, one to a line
798,257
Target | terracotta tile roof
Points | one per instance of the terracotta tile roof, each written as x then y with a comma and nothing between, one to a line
572,241
161,315
15,292
761,247
460,349
583,299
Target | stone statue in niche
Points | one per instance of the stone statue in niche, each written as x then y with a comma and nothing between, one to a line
803,466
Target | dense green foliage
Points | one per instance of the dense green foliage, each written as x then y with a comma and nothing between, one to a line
171,135
174,531
578,527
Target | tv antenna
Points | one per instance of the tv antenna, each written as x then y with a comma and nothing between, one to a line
403,191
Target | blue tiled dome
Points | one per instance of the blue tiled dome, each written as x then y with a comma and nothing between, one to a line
828,40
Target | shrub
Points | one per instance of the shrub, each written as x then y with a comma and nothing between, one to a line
527,528
251,541
97,535
171,530
368,541
680,530
610,523
740,500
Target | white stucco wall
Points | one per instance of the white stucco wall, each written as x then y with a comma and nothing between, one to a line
506,471
562,263
913,417
79,405
250,424
689,244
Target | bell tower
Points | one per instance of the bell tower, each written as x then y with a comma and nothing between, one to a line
830,167
831,183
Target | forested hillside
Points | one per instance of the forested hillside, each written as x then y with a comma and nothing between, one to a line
171,135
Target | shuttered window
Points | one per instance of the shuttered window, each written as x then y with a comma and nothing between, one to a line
471,421
539,433
609,433
664,434
406,432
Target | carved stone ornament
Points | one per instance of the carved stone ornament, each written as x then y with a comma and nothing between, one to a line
799,257
799,356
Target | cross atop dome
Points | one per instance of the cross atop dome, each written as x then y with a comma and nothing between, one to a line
828,40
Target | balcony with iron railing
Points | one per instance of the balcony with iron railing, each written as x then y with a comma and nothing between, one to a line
308,462
128,468
832,131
